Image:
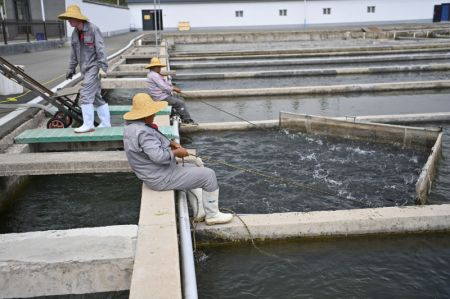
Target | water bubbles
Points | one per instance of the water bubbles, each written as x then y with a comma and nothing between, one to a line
359,151
414,159
409,179
310,157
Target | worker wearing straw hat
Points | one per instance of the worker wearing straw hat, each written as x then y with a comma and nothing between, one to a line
162,90
88,51
152,157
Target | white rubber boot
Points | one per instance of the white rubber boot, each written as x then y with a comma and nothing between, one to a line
195,200
104,116
88,119
211,205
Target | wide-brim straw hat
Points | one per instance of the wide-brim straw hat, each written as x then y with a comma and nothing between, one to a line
143,106
154,62
72,12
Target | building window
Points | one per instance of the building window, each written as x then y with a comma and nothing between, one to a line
327,11
283,12
239,13
370,9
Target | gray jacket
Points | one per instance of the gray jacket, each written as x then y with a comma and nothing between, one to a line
89,53
149,154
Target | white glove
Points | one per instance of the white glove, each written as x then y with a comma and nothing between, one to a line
198,162
101,74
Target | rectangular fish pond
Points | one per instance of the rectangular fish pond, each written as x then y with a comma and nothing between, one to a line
281,170
401,266
268,107
57,202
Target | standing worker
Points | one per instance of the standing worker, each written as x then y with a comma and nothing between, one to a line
88,51
152,157
162,90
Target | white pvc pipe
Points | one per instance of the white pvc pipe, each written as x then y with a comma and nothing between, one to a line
188,275
189,279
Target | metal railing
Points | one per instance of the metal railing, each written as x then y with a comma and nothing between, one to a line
31,30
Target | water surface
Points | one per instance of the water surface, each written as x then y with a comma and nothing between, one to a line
319,173
73,201
407,266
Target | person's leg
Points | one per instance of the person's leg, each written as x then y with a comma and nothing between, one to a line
191,177
180,106
102,109
87,97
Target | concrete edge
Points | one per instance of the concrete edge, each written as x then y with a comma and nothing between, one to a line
156,272
241,125
74,261
387,220
320,89
429,172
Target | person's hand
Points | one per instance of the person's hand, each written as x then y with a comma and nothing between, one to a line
174,145
70,74
101,74
180,152
176,89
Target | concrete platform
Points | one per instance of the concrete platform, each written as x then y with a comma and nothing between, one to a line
330,224
156,272
320,89
76,261
63,163
18,164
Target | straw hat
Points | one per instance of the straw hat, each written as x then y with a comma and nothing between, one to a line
154,62
72,12
143,106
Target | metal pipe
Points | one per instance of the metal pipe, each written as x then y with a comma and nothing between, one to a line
304,13
188,275
156,26
189,279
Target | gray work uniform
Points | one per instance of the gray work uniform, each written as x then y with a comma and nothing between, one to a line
89,54
161,90
152,160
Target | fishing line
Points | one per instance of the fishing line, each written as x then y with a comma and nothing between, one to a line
269,176
263,252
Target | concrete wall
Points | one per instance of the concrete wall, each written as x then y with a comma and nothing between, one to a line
74,261
110,19
406,137
267,13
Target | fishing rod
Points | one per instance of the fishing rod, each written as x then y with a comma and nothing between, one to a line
221,110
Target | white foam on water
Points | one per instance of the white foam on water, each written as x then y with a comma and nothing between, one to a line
359,151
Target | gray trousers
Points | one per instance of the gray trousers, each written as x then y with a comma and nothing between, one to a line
91,89
178,103
190,177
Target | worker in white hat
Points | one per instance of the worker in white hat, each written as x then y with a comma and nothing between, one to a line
152,157
88,51
162,90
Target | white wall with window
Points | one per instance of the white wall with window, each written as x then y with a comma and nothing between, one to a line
224,14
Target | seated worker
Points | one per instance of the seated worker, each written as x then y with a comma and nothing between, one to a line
152,157
161,90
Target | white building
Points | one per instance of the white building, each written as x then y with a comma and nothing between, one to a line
206,14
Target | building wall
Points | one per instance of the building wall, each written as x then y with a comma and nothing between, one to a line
110,19
267,13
